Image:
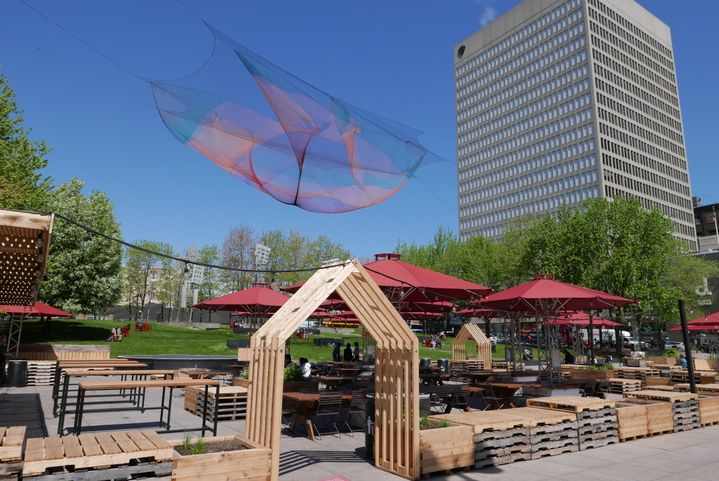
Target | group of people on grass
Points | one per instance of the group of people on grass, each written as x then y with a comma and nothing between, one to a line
349,354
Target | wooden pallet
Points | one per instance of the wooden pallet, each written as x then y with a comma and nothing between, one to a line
631,421
708,388
575,404
94,451
666,396
147,471
686,415
484,421
597,428
41,373
636,372
681,375
232,403
621,386
12,441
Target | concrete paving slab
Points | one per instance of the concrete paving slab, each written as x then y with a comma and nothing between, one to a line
688,455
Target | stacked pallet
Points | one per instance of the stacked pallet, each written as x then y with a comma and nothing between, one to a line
596,418
681,375
550,432
98,457
41,373
684,407
622,386
231,405
636,372
499,437
12,441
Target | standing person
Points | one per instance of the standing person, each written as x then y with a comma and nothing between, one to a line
3,348
305,367
336,352
357,352
347,356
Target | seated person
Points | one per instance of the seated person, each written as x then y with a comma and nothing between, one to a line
682,362
347,355
305,367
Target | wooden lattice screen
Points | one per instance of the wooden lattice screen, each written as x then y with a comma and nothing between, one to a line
24,244
396,441
484,345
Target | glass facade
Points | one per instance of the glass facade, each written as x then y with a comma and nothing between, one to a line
572,103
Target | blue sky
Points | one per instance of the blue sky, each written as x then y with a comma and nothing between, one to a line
392,57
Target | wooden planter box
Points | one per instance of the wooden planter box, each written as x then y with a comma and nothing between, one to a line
709,410
446,448
252,463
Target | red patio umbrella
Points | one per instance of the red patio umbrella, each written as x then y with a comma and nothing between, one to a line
581,319
713,317
545,295
254,300
402,282
38,309
698,327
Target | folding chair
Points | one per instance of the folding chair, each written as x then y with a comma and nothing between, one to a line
328,406
357,407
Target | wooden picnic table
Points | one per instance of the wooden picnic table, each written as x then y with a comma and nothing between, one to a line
136,397
304,405
87,364
333,382
165,384
448,395
501,394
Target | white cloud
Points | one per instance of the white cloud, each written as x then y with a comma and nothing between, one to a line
488,14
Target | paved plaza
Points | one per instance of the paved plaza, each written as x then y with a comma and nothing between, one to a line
689,456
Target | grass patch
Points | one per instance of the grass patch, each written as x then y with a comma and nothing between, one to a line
168,339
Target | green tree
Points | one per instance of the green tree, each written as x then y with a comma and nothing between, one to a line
22,185
83,272
210,285
143,273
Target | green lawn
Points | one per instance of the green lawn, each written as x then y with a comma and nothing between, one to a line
166,339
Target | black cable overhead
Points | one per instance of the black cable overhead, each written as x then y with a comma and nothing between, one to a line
188,261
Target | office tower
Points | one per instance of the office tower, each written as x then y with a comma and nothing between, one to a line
559,101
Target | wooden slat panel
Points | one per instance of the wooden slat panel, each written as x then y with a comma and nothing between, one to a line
124,442
90,445
108,445
53,448
71,446
35,449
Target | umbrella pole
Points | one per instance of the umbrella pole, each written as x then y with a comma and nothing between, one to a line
591,339
687,347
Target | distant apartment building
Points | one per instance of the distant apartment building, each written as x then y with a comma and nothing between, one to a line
707,226
559,101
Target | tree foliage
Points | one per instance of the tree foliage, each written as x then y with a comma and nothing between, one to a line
83,273
22,185
296,251
143,274
238,251
617,247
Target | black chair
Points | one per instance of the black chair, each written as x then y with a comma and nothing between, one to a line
328,406
357,408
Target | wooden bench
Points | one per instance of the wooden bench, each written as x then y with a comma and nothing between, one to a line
136,397
165,384
87,364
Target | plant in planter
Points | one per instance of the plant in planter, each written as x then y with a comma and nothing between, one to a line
220,459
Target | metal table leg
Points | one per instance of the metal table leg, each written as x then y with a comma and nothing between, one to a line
162,405
63,406
79,406
169,408
217,408
204,410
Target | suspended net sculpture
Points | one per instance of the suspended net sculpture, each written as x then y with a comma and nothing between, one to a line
308,149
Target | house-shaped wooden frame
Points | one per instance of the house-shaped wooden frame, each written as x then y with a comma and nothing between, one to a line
396,435
484,346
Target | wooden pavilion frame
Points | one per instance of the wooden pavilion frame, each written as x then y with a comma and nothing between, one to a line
396,429
24,246
472,332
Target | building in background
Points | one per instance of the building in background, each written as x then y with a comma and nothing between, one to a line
707,226
559,101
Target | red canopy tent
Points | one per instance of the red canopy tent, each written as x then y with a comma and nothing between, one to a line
582,319
713,317
707,323
406,283
38,309
255,300
545,296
